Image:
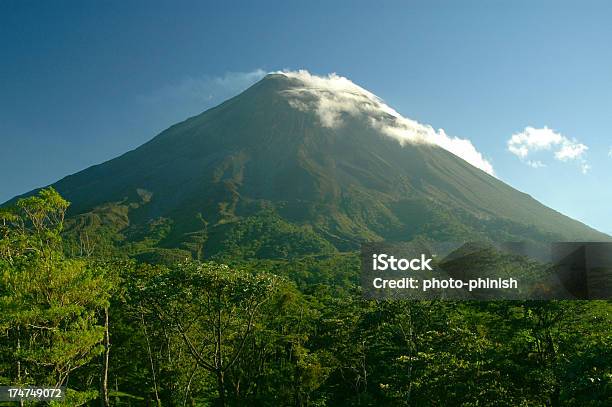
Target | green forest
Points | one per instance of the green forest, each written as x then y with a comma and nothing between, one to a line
135,327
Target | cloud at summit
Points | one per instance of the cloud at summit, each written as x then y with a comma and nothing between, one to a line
333,96
204,88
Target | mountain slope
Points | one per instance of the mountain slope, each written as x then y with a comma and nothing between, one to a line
268,157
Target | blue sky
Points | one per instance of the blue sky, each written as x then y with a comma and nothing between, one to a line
82,82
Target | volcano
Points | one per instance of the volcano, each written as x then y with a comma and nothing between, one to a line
299,164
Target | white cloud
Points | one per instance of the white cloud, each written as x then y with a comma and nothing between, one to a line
238,81
585,168
535,164
333,96
532,140
610,152
571,151
189,96
192,95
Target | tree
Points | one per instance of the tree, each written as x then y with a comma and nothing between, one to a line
49,304
212,309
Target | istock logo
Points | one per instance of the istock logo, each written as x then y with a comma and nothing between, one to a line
417,270
384,262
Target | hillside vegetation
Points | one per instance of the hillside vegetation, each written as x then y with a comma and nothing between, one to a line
267,332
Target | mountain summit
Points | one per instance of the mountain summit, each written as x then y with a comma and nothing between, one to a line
302,164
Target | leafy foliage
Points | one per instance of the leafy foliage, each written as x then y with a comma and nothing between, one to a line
270,331
48,303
